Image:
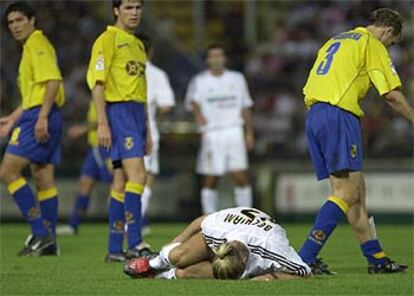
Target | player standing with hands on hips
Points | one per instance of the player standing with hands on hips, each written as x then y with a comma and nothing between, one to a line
116,77
345,68
221,104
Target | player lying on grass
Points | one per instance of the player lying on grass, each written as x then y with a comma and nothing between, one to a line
235,243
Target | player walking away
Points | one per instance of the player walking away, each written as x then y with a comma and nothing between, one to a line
221,104
235,243
35,139
97,166
116,77
344,69
160,100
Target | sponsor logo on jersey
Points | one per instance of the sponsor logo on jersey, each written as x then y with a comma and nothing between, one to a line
393,70
135,68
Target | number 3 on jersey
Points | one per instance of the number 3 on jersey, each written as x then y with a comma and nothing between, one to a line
325,65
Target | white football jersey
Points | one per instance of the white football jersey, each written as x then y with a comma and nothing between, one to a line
159,94
221,98
267,242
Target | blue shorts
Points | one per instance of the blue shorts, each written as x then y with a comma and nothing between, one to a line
23,142
96,164
334,140
127,121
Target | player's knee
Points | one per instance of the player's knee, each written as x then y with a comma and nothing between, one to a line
177,256
7,175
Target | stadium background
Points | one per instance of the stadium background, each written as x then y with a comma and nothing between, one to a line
274,43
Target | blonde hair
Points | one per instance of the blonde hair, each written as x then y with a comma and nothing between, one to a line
227,262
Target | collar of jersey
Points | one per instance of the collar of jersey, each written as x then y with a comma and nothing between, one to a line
35,32
364,30
118,30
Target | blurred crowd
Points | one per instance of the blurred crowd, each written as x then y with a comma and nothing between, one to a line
289,34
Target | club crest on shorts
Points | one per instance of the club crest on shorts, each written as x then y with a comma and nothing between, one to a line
129,143
354,150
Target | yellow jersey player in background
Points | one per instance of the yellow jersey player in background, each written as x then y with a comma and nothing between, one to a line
96,166
35,139
345,68
116,77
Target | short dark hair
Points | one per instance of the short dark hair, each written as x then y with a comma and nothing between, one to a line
386,17
117,3
214,46
146,40
19,6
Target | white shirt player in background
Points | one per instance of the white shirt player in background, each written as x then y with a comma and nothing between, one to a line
235,243
160,100
221,104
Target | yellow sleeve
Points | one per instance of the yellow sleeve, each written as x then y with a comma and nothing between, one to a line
44,61
380,69
101,59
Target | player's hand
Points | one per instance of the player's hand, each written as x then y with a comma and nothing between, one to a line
6,124
250,140
41,130
77,130
104,135
148,145
200,120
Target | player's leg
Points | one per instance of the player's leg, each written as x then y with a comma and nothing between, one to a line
146,196
136,175
174,255
116,215
209,194
378,262
201,270
335,149
10,174
242,189
47,194
82,200
210,164
237,165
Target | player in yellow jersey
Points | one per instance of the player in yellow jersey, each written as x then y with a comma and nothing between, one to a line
35,139
96,166
116,77
345,68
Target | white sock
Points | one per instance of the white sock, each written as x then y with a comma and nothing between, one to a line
168,274
243,196
145,199
209,200
162,261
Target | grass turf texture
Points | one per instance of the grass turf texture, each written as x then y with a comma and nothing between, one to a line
80,269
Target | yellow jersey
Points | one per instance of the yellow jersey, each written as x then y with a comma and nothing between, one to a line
38,65
92,119
118,60
346,66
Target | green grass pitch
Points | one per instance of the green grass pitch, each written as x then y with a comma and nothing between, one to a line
80,269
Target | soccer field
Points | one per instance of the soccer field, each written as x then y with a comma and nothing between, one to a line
80,269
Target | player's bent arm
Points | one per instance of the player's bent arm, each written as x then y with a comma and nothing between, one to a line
104,132
397,101
190,230
278,275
